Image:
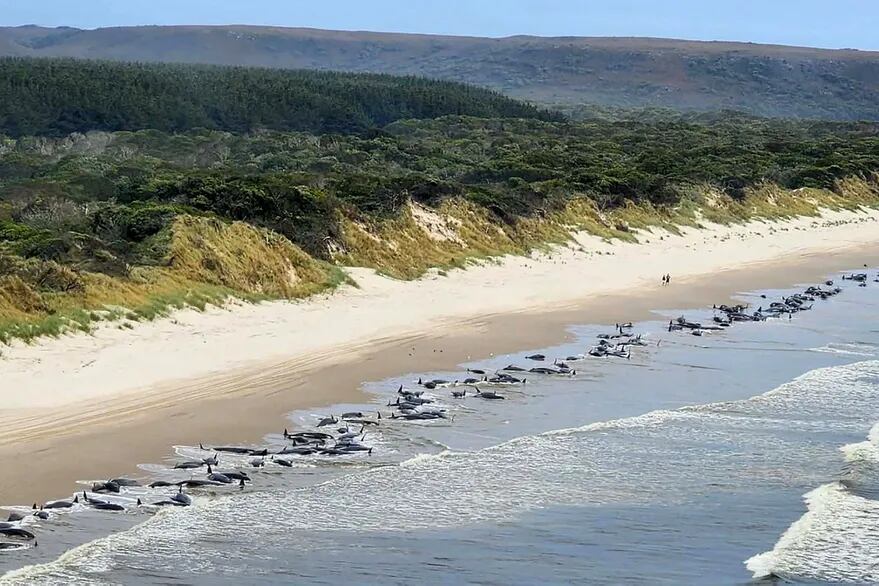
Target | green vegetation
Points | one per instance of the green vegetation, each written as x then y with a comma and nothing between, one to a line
59,96
764,80
126,225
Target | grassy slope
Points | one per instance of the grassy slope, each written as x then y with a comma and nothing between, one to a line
208,260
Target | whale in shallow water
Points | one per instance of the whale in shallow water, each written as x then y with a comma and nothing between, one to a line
191,464
103,505
17,533
62,504
491,395
282,462
182,497
108,486
218,477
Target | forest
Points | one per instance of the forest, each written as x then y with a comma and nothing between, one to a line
121,188
175,167
58,96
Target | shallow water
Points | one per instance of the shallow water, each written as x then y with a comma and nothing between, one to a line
686,464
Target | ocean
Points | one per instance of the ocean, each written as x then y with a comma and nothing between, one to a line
726,458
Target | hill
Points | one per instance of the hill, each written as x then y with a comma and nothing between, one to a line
60,96
630,72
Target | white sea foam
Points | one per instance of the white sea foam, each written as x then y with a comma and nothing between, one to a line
835,541
867,450
854,349
658,456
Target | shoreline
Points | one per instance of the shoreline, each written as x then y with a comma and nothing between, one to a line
107,399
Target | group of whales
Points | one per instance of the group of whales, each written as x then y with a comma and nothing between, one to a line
409,404
726,315
415,404
116,494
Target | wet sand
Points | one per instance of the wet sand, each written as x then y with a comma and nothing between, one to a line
47,450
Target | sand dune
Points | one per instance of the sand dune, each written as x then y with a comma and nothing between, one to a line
113,362
123,396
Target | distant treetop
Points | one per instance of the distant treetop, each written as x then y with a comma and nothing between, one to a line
59,96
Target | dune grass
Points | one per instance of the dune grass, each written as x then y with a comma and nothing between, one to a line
209,261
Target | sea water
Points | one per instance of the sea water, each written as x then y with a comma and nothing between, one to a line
719,459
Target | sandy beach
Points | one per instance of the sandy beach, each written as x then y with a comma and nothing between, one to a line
119,397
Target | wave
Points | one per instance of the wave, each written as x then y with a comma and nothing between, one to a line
852,349
662,456
865,451
835,541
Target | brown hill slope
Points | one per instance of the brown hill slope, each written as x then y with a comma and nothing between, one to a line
688,75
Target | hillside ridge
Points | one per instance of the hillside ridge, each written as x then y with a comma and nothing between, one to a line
767,80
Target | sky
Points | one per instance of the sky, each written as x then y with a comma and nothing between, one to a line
815,23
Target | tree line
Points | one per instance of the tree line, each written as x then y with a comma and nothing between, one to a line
54,97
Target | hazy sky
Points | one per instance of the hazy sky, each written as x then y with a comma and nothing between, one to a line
819,23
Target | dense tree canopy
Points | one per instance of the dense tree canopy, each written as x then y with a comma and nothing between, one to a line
68,199
59,96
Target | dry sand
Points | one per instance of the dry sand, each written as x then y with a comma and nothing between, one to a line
89,406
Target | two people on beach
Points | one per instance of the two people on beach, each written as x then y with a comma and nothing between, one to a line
666,279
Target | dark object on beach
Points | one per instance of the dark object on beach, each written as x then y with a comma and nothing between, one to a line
489,395
218,477
178,499
125,481
17,533
102,505
196,482
191,464
331,420
514,368
536,357
229,449
61,504
108,486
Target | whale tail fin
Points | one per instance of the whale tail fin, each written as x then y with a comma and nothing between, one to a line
139,503
76,499
35,507
200,446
